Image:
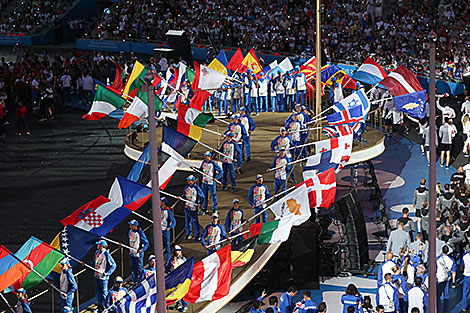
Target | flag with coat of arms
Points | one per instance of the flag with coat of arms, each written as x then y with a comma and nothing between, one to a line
295,204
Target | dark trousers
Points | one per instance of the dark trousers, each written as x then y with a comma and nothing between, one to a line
21,122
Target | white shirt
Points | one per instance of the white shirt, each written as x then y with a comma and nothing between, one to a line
416,299
263,87
466,264
466,107
386,292
66,80
447,133
163,64
87,83
300,82
444,265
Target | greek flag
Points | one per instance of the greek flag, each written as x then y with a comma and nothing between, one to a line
142,299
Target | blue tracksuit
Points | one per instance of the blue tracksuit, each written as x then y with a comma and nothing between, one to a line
289,98
103,262
214,233
168,223
139,241
286,304
22,306
212,170
194,194
234,219
239,134
348,300
249,125
307,306
272,94
229,149
281,174
114,294
256,198
67,285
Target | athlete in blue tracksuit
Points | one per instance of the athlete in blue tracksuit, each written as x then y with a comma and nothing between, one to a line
211,170
281,174
294,126
22,305
282,141
115,293
233,220
168,223
257,197
304,120
272,92
105,266
249,124
194,194
300,83
286,303
229,149
214,232
466,280
238,136
67,286
263,93
139,242
307,305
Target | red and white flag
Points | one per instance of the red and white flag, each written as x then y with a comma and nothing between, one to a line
206,82
321,189
211,277
401,82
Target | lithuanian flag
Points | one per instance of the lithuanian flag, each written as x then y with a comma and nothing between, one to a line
136,79
177,282
243,252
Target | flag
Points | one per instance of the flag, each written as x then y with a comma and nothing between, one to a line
105,102
251,62
118,77
269,68
236,61
39,256
99,216
286,65
330,71
343,143
356,98
139,165
220,63
321,189
129,194
352,115
337,131
206,82
320,162
178,281
75,242
196,117
369,72
401,81
414,104
138,109
211,277
294,205
135,79
243,252
11,269
309,68
275,231
143,298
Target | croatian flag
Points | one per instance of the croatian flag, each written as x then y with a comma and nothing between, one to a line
369,72
352,115
401,82
129,194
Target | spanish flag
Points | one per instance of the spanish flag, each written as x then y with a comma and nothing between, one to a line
251,62
220,63
177,282
243,252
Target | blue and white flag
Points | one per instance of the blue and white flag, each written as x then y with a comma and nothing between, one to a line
142,299
355,99
414,104
352,115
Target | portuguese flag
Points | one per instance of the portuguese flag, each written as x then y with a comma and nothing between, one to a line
40,256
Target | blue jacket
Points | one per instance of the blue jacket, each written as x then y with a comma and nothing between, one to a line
223,234
348,300
171,222
251,199
236,147
395,298
24,304
286,305
380,273
72,284
199,195
217,173
288,167
110,263
244,132
144,242
109,297
274,143
251,123
307,306
228,219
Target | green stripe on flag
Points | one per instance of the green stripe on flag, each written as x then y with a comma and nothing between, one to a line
189,75
202,119
44,268
103,94
267,231
144,97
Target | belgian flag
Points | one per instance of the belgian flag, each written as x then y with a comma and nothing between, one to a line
242,252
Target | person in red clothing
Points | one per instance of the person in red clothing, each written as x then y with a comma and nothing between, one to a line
20,118
2,114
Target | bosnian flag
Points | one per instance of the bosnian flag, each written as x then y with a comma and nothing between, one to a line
370,72
211,277
129,194
98,216
352,115
321,189
401,81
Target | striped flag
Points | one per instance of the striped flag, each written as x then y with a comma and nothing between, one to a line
211,277
142,298
129,194
370,72
105,102
276,231
401,82
11,269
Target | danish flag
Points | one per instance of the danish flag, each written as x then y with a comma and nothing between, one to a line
321,189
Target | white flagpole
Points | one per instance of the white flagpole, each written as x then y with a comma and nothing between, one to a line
227,239
176,197
8,304
141,216
83,263
194,168
215,150
118,243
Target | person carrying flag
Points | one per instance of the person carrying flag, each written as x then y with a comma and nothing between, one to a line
300,85
151,266
214,232
294,127
257,197
22,305
67,286
281,171
194,194
212,170
253,105
233,220
115,293
105,266
238,136
229,148
139,242
282,141
168,223
249,124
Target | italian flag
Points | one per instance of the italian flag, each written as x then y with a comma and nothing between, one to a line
275,231
104,103
138,110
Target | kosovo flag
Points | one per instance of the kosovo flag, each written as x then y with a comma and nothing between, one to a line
413,104
177,282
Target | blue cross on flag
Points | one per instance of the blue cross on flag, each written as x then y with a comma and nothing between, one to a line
355,99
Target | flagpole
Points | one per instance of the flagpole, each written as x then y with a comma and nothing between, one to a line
318,61
194,168
211,131
215,150
9,306
227,239
141,216
176,197
118,243
156,210
82,263
319,114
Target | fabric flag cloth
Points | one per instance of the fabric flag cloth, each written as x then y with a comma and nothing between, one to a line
267,70
75,242
294,205
139,165
206,82
138,109
286,65
276,231
39,256
352,115
143,298
243,252
118,77
342,143
211,277
330,71
370,72
309,68
321,189
337,131
414,104
178,281
220,63
356,98
105,102
320,162
191,120
98,216
11,270
236,61
129,194
251,62
135,79
401,81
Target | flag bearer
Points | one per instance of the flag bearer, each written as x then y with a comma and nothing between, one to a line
212,170
115,293
249,124
233,220
228,148
168,223
194,194
139,242
22,305
294,127
67,286
282,141
214,232
256,197
238,135
281,173
105,266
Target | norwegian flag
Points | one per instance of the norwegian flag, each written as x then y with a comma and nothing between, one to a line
351,115
321,189
401,82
